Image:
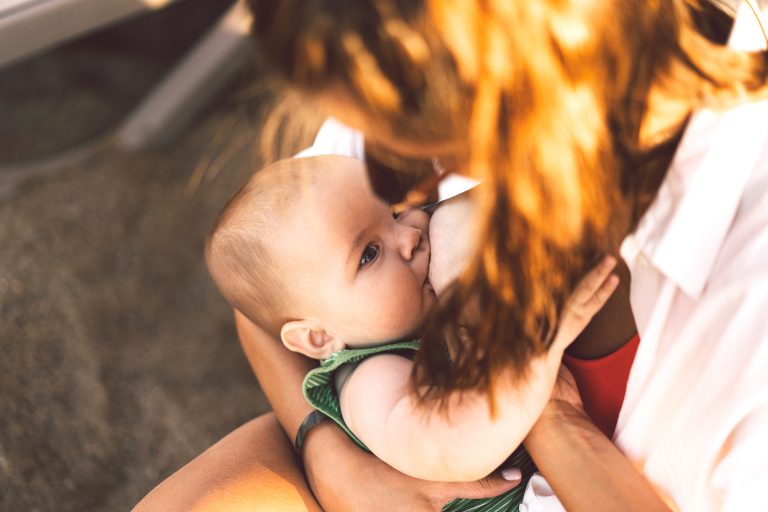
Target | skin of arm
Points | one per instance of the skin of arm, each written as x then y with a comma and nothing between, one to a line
342,476
584,468
463,441
279,372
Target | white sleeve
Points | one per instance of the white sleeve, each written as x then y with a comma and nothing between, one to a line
454,185
335,138
539,496
742,474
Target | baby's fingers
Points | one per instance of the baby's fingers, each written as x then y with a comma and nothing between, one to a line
590,295
600,297
595,288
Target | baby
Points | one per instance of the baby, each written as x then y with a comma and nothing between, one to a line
310,254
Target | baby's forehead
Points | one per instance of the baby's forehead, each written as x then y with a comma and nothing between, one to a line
332,217
330,198
340,184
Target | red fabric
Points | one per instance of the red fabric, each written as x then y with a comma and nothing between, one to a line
602,383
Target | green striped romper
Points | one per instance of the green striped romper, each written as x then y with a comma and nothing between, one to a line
320,392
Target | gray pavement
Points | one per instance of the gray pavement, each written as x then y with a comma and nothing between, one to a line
118,359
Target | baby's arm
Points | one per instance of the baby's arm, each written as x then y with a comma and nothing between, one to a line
464,442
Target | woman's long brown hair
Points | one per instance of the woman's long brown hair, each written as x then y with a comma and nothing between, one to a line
548,99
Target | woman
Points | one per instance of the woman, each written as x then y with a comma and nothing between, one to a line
573,114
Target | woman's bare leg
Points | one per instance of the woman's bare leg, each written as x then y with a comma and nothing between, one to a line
252,469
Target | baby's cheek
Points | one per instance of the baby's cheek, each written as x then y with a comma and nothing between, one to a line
404,313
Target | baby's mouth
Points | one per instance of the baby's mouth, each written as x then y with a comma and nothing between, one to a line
428,287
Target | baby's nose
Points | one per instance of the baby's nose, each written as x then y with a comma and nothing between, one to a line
410,238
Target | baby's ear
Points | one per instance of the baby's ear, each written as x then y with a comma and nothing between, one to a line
304,337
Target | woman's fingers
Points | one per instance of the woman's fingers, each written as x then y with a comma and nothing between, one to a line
593,290
491,486
591,294
601,296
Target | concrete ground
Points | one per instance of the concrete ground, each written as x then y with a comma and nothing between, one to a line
118,359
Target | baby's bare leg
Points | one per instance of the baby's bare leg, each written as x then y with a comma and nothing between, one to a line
252,469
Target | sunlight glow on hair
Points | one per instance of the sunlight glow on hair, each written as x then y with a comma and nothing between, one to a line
367,74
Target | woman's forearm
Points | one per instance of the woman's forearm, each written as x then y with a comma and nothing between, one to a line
279,371
584,468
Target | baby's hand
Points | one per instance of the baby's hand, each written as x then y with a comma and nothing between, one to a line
590,295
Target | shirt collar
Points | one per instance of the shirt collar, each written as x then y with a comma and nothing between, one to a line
685,227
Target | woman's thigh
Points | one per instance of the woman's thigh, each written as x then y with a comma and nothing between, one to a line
251,469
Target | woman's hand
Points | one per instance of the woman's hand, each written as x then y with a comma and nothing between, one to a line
566,392
583,467
343,477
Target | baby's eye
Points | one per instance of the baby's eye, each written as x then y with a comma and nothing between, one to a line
370,253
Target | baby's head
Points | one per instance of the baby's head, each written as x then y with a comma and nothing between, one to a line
309,253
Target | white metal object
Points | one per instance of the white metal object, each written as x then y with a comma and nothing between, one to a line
187,88
28,26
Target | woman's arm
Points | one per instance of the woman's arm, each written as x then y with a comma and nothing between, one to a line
342,476
279,372
584,468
